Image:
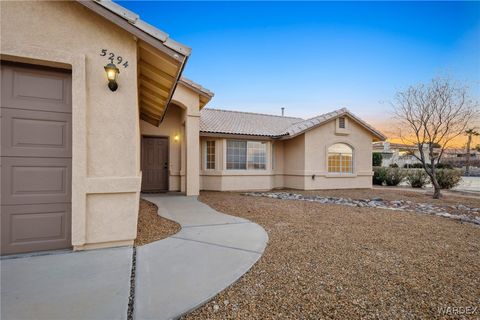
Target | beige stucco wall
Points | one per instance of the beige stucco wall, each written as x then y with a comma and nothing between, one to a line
190,101
294,167
296,161
105,168
317,142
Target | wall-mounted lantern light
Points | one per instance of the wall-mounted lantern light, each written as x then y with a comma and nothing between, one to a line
176,138
112,74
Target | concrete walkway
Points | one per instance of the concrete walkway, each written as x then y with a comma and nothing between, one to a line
180,273
173,276
66,285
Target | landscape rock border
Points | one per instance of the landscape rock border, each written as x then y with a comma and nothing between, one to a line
465,213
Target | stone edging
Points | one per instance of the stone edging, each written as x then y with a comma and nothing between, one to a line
465,213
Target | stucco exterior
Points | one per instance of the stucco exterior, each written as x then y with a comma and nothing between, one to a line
106,168
107,132
181,126
300,162
104,162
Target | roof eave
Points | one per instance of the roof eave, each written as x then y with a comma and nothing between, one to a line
343,112
237,135
130,22
205,94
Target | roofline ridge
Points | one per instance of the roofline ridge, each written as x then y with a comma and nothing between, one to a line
255,113
341,110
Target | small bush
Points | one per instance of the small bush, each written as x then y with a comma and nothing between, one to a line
394,176
417,178
443,166
393,165
379,175
448,178
416,165
377,159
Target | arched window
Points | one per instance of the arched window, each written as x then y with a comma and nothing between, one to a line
340,158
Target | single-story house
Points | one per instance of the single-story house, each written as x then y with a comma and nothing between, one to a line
243,151
397,153
460,154
94,110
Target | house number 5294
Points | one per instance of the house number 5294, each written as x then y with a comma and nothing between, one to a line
114,58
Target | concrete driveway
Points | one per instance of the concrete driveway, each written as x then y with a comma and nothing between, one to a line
68,285
173,276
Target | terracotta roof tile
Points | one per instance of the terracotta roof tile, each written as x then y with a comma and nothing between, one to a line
258,124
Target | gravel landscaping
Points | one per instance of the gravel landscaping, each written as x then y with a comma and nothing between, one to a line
329,261
458,212
151,227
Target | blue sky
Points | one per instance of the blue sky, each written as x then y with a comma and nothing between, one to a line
313,57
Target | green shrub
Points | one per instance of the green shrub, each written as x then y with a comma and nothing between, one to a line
438,165
443,166
393,176
377,159
417,178
379,175
448,178
416,165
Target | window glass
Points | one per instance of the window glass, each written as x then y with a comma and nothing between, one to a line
340,158
341,122
210,155
236,154
242,155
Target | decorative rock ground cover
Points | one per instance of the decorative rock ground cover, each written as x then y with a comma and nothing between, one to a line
458,212
329,261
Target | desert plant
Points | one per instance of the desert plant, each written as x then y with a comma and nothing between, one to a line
444,166
416,165
393,176
449,178
377,159
416,178
379,175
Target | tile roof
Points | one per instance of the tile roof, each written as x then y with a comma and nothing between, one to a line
196,86
257,124
134,20
244,123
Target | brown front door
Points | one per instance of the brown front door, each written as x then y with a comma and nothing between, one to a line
154,164
36,158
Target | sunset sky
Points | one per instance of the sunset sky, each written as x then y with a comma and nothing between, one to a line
314,57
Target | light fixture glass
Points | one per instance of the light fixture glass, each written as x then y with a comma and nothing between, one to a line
112,74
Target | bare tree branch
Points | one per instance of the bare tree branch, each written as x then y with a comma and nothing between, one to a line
433,114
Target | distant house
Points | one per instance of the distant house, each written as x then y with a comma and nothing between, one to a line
460,154
397,153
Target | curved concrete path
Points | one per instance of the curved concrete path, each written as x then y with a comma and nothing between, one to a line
176,275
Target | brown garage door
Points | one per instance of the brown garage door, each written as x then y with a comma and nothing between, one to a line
36,158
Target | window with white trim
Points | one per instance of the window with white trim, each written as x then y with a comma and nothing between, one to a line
341,122
243,155
210,155
340,158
